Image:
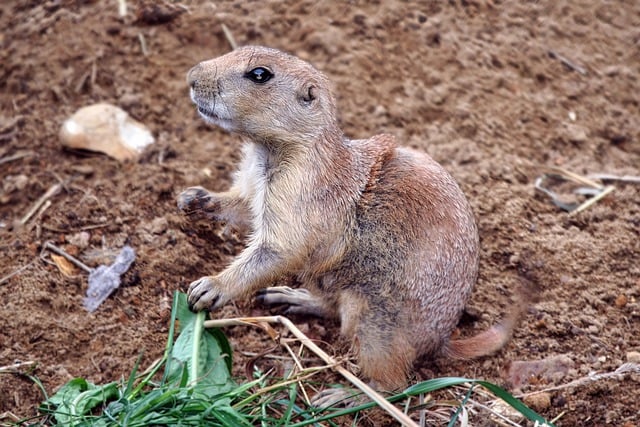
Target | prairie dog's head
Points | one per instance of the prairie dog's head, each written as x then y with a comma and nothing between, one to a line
263,93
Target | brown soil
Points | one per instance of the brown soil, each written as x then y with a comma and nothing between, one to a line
473,83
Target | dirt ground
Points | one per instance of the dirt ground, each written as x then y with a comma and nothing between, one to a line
493,90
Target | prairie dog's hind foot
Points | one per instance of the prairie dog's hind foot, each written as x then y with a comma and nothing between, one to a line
297,301
339,397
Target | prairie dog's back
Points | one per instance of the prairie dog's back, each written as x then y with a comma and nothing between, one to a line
419,225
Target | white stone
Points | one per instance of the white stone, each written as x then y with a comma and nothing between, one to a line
107,129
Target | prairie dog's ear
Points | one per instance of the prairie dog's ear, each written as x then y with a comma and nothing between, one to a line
308,93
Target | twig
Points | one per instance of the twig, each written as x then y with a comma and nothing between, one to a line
599,189
94,226
17,367
623,178
6,136
15,273
94,73
567,63
82,81
52,191
44,207
16,156
622,369
229,36
9,124
143,44
298,364
505,420
122,8
590,201
574,177
77,262
270,356
10,415
375,396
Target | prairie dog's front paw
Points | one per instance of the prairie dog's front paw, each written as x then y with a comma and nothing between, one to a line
205,294
197,200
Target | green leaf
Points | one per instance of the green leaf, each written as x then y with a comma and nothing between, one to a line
213,370
77,398
69,391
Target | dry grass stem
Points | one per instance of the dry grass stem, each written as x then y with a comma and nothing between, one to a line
306,341
567,63
17,368
50,246
624,178
44,207
601,190
229,36
52,191
571,176
122,8
9,415
499,418
16,156
301,377
15,273
271,356
143,44
593,200
625,368
298,365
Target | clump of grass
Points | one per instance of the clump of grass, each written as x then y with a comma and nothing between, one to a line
195,388
192,386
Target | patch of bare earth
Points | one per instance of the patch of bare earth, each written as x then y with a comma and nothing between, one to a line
493,90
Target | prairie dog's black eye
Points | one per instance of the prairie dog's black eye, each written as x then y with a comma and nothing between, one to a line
259,75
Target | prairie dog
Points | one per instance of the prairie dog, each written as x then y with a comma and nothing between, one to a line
381,236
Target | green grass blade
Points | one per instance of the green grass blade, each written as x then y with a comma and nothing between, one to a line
437,384
195,349
132,376
170,337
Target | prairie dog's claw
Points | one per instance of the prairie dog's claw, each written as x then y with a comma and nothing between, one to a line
205,294
193,199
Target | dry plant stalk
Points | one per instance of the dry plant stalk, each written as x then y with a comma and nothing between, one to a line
52,191
570,176
143,44
16,156
625,368
6,278
229,36
122,8
306,341
18,367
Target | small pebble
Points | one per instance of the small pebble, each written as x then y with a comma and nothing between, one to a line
14,183
85,170
633,357
576,133
81,240
621,301
552,369
159,225
538,401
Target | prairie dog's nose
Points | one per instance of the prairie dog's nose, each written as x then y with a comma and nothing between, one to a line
193,75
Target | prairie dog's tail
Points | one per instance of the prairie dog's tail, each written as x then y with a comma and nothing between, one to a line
494,338
482,344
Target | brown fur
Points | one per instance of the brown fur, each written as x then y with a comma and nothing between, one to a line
382,236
